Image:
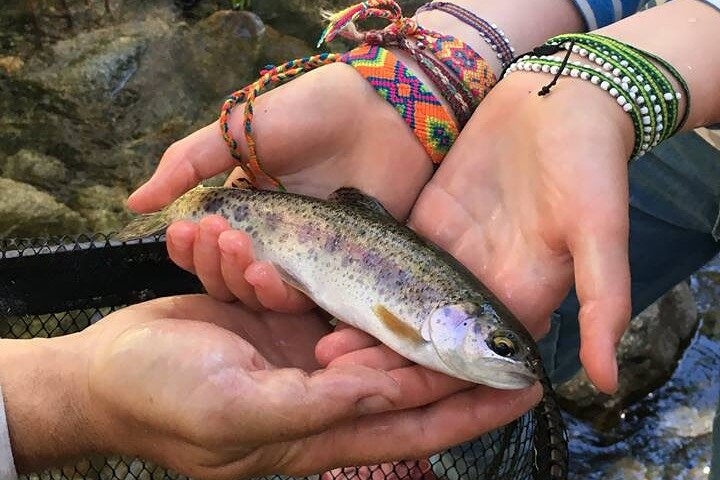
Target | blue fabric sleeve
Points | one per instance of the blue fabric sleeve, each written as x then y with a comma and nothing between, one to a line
600,13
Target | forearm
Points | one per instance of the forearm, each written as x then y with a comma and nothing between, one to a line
526,23
684,33
43,388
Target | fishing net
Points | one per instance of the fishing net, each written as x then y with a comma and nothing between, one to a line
60,286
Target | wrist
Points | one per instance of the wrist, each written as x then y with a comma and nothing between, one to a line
688,43
525,22
45,402
573,110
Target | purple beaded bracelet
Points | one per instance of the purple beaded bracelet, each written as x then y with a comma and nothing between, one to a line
489,32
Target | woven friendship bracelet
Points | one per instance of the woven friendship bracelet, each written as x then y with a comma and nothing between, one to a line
466,63
461,69
489,32
418,106
625,72
461,75
452,89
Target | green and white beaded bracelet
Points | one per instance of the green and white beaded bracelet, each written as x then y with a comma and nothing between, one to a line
628,74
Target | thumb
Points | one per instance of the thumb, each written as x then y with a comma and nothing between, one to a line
310,404
602,281
184,165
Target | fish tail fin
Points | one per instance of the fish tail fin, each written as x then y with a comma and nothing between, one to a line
144,226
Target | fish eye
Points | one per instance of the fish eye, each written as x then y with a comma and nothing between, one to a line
503,346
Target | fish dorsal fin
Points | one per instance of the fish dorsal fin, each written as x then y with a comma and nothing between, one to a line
353,196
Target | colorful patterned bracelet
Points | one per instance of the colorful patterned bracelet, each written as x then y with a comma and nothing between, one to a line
625,72
489,32
457,59
461,75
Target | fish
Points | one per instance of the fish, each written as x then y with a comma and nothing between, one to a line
355,261
359,264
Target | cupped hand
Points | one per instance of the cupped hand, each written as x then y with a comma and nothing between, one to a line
323,130
533,197
213,390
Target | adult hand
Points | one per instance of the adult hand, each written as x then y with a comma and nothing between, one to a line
212,390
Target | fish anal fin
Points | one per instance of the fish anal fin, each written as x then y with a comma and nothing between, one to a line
396,325
291,280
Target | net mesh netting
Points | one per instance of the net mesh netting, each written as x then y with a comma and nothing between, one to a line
60,286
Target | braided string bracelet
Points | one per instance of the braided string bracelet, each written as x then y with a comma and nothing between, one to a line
462,77
628,74
461,74
490,33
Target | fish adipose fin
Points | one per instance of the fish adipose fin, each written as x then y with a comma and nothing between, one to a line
396,325
353,196
243,184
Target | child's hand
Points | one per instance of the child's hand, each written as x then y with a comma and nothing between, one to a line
324,130
224,261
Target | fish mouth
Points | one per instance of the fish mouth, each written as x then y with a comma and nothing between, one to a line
501,375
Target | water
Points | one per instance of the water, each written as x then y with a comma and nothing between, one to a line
668,434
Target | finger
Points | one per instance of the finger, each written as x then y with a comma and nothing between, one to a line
186,163
273,293
206,257
379,356
341,342
418,432
236,254
180,244
602,277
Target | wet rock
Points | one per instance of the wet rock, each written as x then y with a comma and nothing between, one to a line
103,207
106,102
27,211
35,168
11,64
647,356
99,62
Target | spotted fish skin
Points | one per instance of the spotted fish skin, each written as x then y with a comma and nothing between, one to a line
365,268
362,266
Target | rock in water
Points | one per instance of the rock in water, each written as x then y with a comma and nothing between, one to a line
647,356
27,211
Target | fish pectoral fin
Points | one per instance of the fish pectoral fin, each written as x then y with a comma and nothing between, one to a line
291,280
396,325
353,196
425,330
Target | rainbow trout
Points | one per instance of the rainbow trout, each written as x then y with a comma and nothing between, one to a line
359,264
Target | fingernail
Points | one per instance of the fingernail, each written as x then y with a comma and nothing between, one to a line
373,404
